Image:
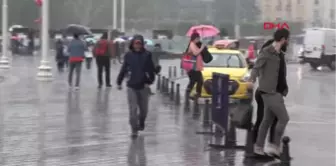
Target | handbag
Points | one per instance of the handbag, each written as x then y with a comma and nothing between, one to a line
187,60
241,115
206,55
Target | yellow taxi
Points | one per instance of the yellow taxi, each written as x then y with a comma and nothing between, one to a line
226,61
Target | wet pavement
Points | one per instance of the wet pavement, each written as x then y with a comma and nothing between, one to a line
45,124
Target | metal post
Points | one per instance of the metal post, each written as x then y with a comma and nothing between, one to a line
122,26
115,14
4,61
237,20
44,72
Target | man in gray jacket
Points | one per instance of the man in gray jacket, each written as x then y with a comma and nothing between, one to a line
271,74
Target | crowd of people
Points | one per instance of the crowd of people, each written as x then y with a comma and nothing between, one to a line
140,67
270,69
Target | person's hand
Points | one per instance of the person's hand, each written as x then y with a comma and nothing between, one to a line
250,85
119,87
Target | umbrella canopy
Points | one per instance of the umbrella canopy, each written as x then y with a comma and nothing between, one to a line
15,26
78,29
203,30
119,40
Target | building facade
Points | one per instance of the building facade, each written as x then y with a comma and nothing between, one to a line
312,13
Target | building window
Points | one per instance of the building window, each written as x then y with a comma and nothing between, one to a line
317,2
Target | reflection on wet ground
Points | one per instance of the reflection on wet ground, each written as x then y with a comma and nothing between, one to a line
45,123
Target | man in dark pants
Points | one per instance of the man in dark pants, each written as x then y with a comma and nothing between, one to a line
139,68
102,54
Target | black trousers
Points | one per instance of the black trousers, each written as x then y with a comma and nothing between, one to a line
195,77
260,116
103,63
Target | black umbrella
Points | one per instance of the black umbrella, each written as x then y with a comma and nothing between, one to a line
78,29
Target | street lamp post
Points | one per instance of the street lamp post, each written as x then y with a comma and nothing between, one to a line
44,72
122,26
115,14
4,61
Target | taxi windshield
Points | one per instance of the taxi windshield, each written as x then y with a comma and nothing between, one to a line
226,60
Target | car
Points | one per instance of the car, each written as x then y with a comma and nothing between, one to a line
231,62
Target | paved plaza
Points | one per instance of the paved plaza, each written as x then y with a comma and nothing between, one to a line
45,124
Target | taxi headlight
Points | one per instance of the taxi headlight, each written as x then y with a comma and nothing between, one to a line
246,77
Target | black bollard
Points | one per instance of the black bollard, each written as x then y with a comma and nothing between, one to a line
175,72
172,91
196,107
182,72
167,86
285,156
230,136
158,84
206,114
177,95
170,72
186,101
163,84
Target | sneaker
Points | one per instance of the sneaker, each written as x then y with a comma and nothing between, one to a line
273,150
99,86
134,134
258,150
142,125
109,86
76,88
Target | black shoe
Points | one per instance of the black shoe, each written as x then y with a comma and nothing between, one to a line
195,97
264,157
99,86
109,86
142,125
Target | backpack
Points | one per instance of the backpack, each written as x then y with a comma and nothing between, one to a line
101,48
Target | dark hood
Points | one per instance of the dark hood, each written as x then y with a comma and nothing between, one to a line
137,37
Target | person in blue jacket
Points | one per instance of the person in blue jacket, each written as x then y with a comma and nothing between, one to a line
140,71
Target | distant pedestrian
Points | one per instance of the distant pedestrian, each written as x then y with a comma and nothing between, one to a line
60,58
273,87
88,57
102,53
76,49
139,68
195,74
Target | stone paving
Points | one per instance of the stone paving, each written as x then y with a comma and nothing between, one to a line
45,124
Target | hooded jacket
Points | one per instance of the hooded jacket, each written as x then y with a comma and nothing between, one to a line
138,65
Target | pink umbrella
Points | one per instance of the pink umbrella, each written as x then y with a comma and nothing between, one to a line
38,2
203,30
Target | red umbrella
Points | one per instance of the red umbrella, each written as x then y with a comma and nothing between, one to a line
38,2
203,30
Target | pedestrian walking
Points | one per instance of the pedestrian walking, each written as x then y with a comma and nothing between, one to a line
88,57
139,68
60,58
156,53
271,73
260,102
195,74
102,53
76,49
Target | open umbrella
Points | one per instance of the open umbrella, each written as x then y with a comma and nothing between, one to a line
11,28
78,29
203,30
119,40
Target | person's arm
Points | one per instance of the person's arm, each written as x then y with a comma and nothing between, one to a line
259,64
123,71
195,50
151,69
